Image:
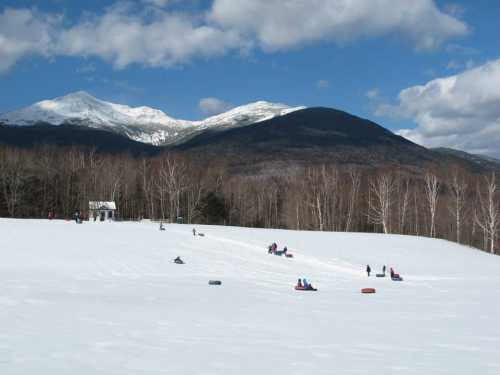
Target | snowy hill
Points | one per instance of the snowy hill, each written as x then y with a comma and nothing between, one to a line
107,299
142,124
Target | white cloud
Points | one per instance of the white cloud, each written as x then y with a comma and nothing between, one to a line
160,40
213,106
25,32
461,111
322,84
373,94
161,36
278,25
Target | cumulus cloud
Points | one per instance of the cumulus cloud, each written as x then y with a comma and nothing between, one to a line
277,24
161,36
25,32
161,40
213,106
460,111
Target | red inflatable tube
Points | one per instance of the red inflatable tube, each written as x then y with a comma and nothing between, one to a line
368,290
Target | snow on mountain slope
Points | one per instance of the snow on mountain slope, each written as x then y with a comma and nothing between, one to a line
106,298
142,124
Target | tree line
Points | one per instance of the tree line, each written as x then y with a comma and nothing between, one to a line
452,204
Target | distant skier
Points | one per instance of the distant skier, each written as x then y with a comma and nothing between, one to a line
368,270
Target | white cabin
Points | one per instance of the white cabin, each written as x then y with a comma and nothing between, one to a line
101,211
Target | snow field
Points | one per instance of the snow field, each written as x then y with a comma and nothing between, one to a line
106,298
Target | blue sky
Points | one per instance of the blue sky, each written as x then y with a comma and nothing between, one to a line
357,65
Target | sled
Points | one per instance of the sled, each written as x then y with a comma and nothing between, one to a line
214,282
368,290
380,275
397,278
305,289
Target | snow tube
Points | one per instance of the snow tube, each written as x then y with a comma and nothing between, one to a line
214,282
380,275
305,289
368,290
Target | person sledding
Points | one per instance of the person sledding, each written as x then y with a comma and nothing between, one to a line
304,285
178,260
395,276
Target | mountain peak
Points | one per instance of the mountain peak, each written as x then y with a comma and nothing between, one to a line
143,123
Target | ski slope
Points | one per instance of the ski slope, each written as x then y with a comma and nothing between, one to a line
106,298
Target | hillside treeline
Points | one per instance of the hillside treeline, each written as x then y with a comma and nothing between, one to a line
453,204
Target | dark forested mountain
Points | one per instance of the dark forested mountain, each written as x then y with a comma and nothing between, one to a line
302,137
71,135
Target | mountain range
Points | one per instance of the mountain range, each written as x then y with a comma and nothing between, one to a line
142,124
260,135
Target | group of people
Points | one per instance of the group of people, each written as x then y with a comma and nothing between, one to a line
393,274
303,284
273,249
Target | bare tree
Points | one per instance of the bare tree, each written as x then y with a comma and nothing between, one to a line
457,202
12,175
432,194
487,214
355,180
380,201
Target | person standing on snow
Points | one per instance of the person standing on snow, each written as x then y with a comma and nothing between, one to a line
194,232
368,270
383,270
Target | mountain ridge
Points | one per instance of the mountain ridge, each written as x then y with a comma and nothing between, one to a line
143,124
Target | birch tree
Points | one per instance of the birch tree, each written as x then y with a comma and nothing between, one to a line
487,213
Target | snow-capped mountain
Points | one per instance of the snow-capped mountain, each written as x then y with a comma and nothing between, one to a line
142,124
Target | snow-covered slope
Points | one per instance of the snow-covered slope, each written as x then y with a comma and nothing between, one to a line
142,124
107,299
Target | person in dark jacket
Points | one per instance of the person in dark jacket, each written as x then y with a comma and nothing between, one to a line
299,283
368,270
383,270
